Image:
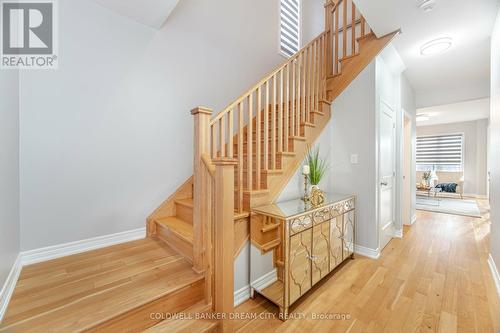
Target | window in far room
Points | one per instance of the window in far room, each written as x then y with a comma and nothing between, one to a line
440,152
289,27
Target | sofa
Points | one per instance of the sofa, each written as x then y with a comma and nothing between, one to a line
447,177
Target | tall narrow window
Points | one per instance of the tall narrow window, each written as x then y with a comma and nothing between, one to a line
289,27
440,152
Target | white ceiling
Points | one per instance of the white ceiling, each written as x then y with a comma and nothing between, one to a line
462,72
152,13
456,112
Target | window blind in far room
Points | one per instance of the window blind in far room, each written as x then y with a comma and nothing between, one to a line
440,152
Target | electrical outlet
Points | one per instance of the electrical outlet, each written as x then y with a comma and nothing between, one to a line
354,158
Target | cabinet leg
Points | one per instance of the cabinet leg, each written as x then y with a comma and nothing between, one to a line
252,293
352,256
283,315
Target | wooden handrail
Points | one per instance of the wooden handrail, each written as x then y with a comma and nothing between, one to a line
207,161
265,79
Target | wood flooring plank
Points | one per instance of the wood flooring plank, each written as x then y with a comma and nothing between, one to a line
436,278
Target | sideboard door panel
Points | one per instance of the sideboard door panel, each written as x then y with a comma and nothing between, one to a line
300,264
348,234
335,242
320,258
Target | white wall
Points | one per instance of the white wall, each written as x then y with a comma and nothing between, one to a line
495,144
475,152
108,136
313,19
9,171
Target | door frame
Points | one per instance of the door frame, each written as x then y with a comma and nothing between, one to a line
406,145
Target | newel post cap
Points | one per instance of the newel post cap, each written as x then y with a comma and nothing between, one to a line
201,109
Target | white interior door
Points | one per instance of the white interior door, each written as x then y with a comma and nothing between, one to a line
387,167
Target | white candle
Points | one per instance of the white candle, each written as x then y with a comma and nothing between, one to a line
306,170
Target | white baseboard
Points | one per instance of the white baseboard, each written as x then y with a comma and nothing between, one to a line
62,250
398,233
264,281
494,272
367,252
241,295
9,285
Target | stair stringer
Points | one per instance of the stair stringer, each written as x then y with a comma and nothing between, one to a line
370,46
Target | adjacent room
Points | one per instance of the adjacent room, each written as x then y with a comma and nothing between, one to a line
453,157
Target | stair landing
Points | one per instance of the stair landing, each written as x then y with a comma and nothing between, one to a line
114,289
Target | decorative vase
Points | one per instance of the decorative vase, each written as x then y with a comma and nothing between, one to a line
317,197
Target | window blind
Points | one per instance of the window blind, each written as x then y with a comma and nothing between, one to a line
289,27
441,151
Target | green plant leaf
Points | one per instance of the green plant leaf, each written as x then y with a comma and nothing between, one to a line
317,166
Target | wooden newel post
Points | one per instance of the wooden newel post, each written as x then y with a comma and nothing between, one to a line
223,295
201,146
329,7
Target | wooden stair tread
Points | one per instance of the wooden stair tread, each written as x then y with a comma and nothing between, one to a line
368,35
185,202
319,112
283,153
349,57
273,172
180,227
107,301
299,138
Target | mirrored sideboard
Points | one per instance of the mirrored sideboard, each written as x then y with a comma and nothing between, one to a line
299,244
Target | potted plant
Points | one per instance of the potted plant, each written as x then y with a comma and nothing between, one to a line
426,177
317,167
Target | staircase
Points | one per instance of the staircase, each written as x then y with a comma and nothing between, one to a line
247,153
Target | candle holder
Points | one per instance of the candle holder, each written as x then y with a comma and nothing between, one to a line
306,196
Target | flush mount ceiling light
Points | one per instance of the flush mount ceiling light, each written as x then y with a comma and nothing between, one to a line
426,5
436,46
422,117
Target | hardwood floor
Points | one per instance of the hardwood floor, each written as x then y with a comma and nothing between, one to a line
113,289
434,279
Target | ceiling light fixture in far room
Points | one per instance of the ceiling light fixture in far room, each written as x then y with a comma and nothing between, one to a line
426,5
422,117
436,46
